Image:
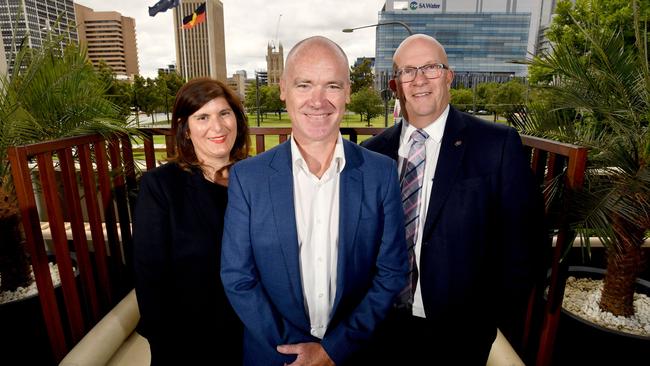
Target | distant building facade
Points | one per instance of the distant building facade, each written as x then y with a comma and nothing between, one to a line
200,50
481,38
171,68
361,60
541,20
238,83
34,19
262,77
274,63
110,37
3,60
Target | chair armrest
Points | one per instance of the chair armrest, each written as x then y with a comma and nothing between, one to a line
99,345
502,353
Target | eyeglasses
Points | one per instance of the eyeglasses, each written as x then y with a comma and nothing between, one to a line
430,71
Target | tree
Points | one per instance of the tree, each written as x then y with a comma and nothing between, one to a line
461,98
167,85
272,100
367,103
250,100
602,100
570,19
146,96
118,91
507,96
484,92
52,93
361,76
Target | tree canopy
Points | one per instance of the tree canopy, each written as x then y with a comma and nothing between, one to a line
367,103
361,76
570,20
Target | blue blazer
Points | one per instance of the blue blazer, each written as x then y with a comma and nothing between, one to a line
483,230
260,266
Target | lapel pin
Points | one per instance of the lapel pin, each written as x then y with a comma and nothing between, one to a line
458,143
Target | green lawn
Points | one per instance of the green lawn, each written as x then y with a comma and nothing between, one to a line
349,120
271,120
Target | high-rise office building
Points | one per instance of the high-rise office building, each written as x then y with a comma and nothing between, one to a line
110,37
201,49
481,38
3,60
33,20
542,16
274,63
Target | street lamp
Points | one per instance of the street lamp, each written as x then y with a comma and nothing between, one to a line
385,92
408,29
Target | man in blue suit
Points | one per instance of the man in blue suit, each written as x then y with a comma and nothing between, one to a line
314,250
481,214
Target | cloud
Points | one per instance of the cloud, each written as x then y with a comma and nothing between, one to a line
250,26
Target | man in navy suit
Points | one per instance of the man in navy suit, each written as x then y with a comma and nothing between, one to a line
314,250
479,212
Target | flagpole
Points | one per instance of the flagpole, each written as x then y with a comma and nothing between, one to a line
184,44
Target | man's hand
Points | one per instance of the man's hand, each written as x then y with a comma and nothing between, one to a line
309,354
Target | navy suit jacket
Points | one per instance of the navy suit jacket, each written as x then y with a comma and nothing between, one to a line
482,233
260,265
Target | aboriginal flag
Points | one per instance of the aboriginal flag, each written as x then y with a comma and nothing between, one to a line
197,17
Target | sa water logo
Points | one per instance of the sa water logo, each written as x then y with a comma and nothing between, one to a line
413,5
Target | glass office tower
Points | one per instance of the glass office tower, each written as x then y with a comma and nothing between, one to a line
30,21
481,41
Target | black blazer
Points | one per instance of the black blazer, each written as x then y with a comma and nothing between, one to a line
482,233
178,224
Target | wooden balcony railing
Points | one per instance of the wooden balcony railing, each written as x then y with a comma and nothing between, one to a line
550,160
88,188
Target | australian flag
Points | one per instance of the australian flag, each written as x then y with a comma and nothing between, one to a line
162,6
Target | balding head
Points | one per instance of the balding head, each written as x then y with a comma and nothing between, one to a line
425,97
419,41
315,86
310,46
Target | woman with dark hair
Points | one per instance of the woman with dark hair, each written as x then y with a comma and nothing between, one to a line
178,224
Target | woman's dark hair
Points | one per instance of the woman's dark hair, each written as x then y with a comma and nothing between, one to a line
189,99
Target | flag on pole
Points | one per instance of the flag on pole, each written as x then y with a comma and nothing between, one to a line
197,17
162,6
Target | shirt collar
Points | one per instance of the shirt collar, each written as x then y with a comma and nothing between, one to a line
338,159
435,130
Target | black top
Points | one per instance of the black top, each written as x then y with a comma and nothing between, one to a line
178,224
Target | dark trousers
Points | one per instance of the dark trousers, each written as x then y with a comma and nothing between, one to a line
404,339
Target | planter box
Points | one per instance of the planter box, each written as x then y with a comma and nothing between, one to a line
581,342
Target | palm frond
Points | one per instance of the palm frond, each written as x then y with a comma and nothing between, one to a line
602,101
53,92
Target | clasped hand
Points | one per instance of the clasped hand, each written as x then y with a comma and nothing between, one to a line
309,354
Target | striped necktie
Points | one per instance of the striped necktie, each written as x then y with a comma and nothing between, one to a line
411,185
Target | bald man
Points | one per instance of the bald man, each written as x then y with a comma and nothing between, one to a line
314,251
472,219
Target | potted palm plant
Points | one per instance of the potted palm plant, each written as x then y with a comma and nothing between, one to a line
601,99
52,92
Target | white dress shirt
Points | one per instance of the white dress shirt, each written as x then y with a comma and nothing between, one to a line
316,203
432,147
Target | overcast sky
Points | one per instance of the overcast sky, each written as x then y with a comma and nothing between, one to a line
250,26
